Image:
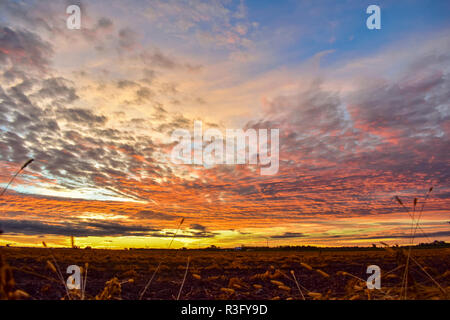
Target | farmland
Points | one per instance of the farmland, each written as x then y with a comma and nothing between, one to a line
243,275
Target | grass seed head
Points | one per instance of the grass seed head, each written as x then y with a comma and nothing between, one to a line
51,266
277,283
307,266
398,200
285,288
315,295
323,273
227,290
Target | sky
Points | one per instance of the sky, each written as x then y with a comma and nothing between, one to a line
363,116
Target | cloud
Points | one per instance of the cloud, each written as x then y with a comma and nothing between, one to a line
127,39
57,89
24,47
428,235
82,116
104,23
288,235
77,228
219,23
150,214
197,226
156,59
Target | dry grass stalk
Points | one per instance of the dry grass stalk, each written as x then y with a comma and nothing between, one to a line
7,284
15,175
83,285
298,285
55,268
432,279
184,278
159,264
413,234
112,291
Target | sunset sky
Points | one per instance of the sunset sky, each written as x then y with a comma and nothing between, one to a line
363,115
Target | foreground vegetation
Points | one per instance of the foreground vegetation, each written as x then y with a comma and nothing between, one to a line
39,273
